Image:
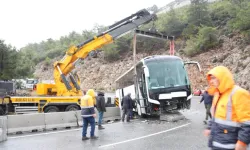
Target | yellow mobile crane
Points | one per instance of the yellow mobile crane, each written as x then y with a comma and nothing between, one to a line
65,95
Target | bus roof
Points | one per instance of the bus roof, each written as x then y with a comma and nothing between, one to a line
160,57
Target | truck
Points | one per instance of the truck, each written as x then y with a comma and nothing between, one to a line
6,88
30,83
65,93
157,84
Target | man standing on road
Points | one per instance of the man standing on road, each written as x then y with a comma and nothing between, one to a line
100,105
230,126
208,103
88,114
126,106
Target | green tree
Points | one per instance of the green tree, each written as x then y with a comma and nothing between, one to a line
241,21
12,63
7,63
198,13
48,61
110,52
124,44
205,40
174,26
220,13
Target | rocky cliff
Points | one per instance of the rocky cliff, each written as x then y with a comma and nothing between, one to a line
99,74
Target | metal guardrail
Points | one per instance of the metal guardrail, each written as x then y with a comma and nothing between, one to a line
26,109
109,102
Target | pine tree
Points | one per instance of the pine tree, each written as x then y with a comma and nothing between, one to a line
198,13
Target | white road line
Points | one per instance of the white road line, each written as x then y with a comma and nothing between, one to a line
144,136
193,112
47,133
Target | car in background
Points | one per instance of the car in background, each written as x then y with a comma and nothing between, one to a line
198,92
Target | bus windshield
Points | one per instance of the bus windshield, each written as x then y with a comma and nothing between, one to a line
166,73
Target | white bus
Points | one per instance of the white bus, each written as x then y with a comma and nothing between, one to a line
160,84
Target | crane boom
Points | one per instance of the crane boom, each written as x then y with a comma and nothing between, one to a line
64,67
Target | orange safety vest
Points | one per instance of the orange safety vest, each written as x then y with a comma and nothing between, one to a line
228,120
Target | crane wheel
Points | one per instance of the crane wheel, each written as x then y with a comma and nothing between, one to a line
72,108
50,109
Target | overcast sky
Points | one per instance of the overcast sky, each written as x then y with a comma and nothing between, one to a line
30,21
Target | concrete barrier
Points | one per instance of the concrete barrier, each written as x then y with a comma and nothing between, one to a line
26,122
3,128
60,120
111,114
47,121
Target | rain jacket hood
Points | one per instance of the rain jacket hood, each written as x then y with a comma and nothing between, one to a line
225,78
91,93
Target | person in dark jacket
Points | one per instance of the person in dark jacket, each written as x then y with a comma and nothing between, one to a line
208,99
100,106
126,106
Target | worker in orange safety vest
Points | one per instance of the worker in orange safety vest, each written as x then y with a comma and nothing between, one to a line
230,124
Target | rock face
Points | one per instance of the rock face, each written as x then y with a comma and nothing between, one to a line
101,75
231,55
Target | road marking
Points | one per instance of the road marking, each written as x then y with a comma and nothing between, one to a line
47,133
144,136
193,112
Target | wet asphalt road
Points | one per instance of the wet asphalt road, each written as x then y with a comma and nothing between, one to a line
184,134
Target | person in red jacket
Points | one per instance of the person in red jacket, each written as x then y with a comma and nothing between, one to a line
230,124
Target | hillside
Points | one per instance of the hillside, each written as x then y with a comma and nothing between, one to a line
216,33
99,74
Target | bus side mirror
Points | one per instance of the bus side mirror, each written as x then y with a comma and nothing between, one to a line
194,62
